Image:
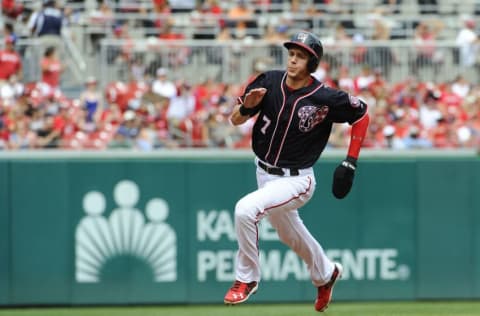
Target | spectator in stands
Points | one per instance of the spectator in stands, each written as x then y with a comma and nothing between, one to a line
47,24
162,11
47,135
121,55
274,35
429,113
162,86
415,140
91,100
334,55
52,69
345,80
66,123
380,56
219,130
241,19
130,127
12,8
138,69
213,8
110,117
392,140
8,30
181,107
10,61
461,86
120,141
364,79
469,46
101,17
206,19
427,53
177,54
146,139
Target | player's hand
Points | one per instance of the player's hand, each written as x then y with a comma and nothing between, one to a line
253,97
343,177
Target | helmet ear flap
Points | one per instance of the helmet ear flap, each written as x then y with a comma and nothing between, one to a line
312,64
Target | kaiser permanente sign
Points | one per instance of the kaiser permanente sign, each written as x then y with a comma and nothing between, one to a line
280,264
147,229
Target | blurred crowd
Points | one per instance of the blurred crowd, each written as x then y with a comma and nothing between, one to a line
160,113
157,109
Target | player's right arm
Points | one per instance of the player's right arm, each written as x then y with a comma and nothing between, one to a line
246,107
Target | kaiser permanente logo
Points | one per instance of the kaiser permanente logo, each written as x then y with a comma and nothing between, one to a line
279,265
126,232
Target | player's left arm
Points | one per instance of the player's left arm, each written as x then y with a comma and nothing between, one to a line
345,172
359,130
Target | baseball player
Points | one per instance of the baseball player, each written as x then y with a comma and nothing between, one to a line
295,116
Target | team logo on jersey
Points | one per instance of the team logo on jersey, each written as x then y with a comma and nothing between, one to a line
310,116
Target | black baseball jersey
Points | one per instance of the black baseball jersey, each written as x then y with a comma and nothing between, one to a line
293,126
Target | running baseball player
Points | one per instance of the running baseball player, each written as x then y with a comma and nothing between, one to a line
295,117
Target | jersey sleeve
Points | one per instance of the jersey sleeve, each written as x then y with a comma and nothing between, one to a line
344,107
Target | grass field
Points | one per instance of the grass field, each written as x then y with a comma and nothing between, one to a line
336,309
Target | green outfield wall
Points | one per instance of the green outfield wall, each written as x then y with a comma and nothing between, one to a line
129,229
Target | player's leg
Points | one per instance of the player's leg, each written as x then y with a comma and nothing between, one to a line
276,194
280,195
292,232
323,272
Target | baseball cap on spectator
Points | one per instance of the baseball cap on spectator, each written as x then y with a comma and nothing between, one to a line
161,72
388,130
91,80
469,22
129,115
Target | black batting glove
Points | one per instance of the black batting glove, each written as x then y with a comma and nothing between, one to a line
343,177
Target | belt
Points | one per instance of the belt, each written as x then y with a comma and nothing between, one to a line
278,171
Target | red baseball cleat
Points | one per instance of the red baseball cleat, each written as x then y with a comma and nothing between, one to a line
325,291
240,292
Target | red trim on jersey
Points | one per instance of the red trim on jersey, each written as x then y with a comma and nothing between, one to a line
265,211
290,119
359,130
278,116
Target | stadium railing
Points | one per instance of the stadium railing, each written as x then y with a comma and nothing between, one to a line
232,61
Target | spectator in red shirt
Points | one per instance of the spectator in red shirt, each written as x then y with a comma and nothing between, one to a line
10,61
52,68
12,8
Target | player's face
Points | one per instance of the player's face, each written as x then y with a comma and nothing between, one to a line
297,63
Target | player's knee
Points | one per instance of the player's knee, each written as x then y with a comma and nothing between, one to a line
243,210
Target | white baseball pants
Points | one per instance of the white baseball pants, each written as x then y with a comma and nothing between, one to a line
278,198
